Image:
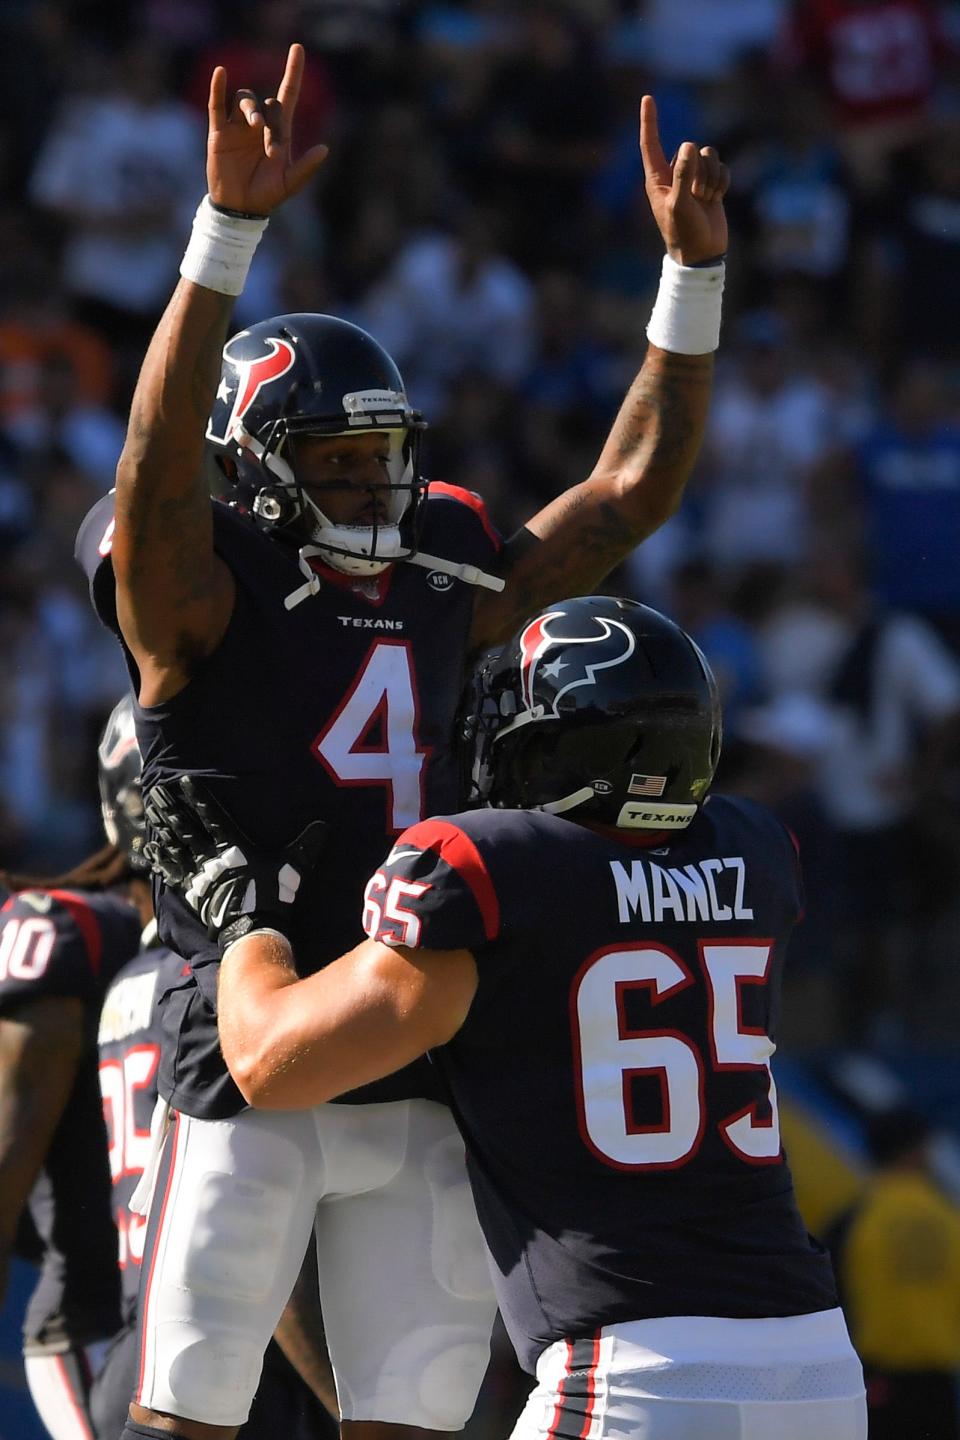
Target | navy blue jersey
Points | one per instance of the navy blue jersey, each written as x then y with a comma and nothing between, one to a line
612,1079
129,1040
60,944
340,709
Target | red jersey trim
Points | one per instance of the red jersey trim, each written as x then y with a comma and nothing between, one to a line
557,1416
86,922
146,1318
802,912
459,852
467,497
591,1383
69,1383
575,1397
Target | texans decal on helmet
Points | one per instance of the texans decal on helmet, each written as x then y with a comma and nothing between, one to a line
538,639
252,375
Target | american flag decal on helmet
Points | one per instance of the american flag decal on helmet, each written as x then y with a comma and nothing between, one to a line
647,785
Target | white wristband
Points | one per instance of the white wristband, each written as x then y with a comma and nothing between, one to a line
220,249
686,316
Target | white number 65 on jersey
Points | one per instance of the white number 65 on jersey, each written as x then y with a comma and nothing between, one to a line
608,1054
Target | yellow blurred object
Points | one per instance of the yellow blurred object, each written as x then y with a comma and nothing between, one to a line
827,1178
900,1275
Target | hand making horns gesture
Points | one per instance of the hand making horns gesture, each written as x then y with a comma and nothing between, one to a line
249,162
686,194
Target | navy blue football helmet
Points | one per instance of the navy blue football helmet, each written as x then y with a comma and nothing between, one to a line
599,708
316,375
121,800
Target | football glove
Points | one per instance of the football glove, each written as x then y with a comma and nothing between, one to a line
232,885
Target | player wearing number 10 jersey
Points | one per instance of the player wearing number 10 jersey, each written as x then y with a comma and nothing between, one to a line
596,968
61,944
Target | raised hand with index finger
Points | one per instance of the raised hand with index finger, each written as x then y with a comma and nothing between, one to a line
685,194
250,164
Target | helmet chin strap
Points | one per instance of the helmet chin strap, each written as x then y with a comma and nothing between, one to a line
569,802
303,592
469,574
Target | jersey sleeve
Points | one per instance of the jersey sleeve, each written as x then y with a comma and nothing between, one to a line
94,545
771,850
457,524
780,849
92,553
49,947
433,892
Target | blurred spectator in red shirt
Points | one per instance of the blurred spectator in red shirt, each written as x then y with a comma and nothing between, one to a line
256,55
877,61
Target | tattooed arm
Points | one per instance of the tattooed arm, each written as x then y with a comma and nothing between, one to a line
635,487
638,480
174,595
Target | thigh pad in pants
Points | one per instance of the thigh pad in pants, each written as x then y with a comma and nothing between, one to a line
404,1281
230,1220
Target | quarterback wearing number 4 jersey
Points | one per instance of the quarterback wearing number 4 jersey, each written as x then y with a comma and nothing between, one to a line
330,694
350,741
595,967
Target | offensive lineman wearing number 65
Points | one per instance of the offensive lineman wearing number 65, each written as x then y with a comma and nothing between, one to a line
302,650
593,962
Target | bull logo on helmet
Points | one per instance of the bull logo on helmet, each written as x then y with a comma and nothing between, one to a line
251,376
611,644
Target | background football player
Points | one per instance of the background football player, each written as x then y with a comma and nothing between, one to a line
62,940
594,964
304,652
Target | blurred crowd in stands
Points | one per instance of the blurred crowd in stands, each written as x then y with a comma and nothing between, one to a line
482,213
